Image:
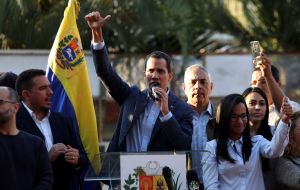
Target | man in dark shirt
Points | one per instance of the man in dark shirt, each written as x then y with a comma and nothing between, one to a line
24,160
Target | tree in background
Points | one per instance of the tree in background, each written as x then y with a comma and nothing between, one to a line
273,23
139,26
29,24
136,26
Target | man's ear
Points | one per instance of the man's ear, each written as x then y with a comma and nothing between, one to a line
170,76
183,86
16,107
25,94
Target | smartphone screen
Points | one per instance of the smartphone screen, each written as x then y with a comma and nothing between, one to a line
255,48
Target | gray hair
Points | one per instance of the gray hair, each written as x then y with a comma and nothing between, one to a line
12,94
195,66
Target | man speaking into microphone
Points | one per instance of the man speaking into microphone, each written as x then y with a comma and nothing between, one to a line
146,122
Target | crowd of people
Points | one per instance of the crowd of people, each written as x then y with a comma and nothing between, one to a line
253,137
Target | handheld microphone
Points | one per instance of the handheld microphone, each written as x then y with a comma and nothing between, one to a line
167,173
152,93
192,180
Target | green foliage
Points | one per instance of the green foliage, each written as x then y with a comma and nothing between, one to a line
25,24
129,182
141,26
176,183
136,26
273,23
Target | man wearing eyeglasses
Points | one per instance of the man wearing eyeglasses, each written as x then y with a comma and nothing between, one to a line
24,160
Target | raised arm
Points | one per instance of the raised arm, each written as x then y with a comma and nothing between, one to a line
274,87
276,147
96,22
286,110
117,88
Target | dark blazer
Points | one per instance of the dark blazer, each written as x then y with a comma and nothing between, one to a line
174,134
65,176
211,126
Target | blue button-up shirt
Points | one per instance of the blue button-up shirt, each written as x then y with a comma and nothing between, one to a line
139,135
199,137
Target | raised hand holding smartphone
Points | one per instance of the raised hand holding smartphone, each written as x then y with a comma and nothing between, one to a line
255,48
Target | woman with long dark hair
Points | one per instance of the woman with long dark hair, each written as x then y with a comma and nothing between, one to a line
234,162
257,104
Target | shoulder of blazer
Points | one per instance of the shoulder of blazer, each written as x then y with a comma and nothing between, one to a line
137,95
176,104
25,122
23,115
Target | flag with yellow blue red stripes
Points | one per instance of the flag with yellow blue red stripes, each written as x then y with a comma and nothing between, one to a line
68,74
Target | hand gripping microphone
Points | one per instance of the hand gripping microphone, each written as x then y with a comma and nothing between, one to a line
152,93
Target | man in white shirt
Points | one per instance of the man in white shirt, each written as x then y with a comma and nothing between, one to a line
66,154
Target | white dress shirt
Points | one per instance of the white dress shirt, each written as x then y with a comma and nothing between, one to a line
44,127
239,175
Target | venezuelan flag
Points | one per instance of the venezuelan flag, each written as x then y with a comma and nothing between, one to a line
68,74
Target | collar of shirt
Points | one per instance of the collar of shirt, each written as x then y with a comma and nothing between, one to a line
236,146
208,110
232,142
238,143
32,114
44,127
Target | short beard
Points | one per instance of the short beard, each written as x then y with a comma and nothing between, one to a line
44,110
5,116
